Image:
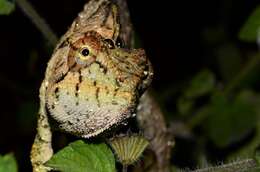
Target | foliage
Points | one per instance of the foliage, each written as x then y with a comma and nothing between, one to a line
80,156
202,84
237,118
250,30
8,163
6,7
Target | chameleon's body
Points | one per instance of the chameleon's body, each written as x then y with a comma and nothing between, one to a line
91,83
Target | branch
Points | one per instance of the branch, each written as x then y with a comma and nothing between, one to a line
38,21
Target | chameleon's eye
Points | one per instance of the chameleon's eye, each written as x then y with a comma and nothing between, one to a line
83,55
110,43
85,52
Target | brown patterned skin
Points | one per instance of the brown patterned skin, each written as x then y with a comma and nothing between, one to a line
97,86
91,83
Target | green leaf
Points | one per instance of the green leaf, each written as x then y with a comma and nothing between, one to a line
81,157
8,163
229,60
248,150
250,29
230,120
184,105
201,84
6,7
257,157
257,160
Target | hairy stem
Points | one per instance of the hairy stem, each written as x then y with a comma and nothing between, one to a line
243,165
38,21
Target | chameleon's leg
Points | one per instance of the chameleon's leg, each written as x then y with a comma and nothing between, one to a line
151,121
42,148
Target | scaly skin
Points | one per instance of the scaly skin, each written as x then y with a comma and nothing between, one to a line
91,84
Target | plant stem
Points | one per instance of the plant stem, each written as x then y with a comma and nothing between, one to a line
124,168
197,118
245,71
234,83
38,21
243,165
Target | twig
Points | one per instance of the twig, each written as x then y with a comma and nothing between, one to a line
38,21
197,118
245,71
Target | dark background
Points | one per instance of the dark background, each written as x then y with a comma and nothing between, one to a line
180,38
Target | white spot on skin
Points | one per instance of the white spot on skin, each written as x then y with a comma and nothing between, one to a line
81,16
46,84
170,143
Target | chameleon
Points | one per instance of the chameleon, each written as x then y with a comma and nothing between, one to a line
92,83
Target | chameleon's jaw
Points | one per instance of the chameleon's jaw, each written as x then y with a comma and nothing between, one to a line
85,119
97,121
119,119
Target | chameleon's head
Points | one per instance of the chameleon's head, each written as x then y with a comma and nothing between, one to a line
100,86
